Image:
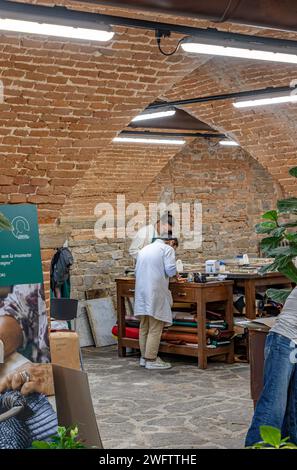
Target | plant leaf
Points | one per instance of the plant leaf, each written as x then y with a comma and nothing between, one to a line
278,295
293,171
287,205
289,445
283,261
40,445
271,435
4,222
288,224
270,215
269,243
292,237
290,250
289,270
258,445
278,232
265,227
269,268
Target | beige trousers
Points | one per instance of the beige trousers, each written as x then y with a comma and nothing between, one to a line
149,336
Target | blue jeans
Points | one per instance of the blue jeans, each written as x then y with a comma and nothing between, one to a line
277,405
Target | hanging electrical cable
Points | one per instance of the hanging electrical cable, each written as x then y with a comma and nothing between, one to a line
166,33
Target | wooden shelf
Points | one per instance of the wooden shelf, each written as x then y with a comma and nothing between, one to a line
181,349
199,294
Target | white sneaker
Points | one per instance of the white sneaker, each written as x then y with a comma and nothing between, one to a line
158,364
142,362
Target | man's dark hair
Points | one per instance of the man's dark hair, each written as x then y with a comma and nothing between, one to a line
170,238
175,240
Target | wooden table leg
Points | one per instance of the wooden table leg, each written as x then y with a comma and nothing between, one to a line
201,330
121,324
229,320
250,298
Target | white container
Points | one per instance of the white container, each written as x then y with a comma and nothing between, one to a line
212,266
246,259
222,267
179,266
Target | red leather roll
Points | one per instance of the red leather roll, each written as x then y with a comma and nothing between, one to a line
187,338
130,332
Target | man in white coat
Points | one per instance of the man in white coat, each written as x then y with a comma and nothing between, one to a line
148,233
153,301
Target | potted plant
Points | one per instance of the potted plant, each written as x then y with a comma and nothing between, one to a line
66,438
280,242
272,439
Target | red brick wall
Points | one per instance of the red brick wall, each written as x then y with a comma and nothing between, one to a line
63,104
234,191
233,188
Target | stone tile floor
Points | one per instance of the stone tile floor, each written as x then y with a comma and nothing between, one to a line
183,407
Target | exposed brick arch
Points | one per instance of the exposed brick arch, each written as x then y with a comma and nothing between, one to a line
266,133
233,188
63,104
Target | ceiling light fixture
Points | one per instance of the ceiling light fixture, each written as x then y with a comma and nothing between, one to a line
266,101
217,43
148,140
251,54
46,29
229,143
54,21
156,115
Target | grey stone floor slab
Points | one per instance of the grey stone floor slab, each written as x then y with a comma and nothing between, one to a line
183,407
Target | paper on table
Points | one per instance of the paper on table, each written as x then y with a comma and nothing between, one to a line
268,321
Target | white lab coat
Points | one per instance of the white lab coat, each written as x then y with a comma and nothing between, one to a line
155,264
143,237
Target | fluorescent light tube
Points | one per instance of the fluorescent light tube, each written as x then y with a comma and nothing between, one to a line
229,143
30,27
241,53
147,140
266,101
156,115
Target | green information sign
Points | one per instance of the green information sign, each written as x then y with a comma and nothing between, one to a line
20,260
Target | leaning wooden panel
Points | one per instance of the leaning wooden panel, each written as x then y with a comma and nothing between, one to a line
102,318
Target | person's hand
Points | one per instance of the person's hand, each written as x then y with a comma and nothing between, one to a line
30,378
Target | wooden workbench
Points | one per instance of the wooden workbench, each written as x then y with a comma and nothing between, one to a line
251,281
199,294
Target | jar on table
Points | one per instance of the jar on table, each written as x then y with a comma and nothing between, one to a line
190,277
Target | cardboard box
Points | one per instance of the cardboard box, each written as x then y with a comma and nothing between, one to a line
74,404
65,349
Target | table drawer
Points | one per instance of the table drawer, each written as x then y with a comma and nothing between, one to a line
182,294
127,289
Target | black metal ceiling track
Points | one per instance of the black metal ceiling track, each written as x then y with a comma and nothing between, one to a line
62,15
205,135
226,96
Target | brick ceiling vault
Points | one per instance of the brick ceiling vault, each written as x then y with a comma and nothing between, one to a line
267,133
64,101
63,104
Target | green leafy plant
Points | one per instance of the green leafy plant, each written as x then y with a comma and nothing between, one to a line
4,223
66,438
279,226
272,439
